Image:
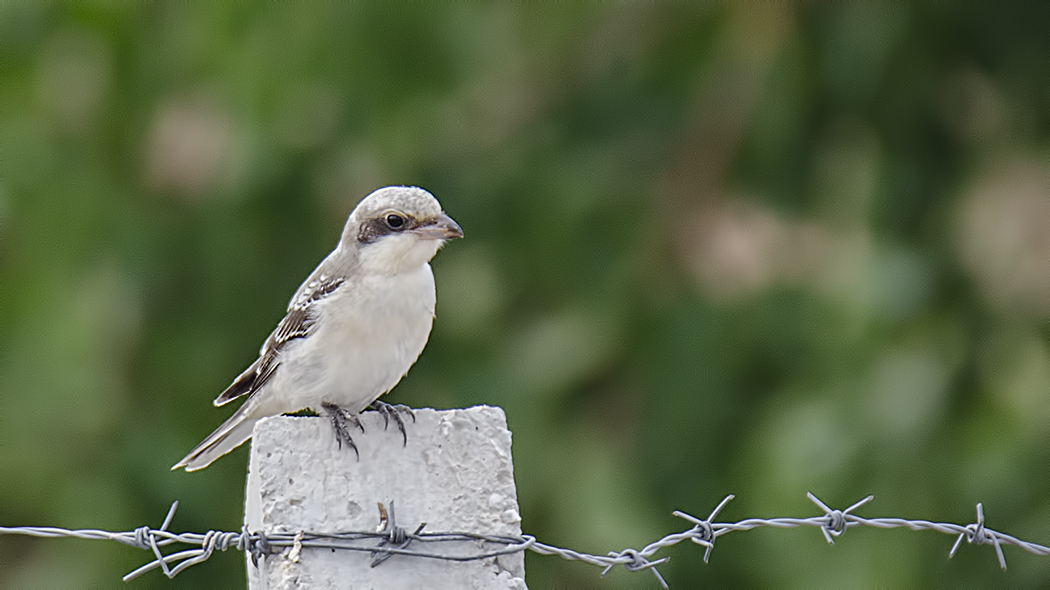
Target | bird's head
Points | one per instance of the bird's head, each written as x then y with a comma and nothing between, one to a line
397,229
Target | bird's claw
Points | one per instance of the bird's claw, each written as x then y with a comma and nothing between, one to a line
394,411
340,418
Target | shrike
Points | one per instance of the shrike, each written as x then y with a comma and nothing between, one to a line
353,329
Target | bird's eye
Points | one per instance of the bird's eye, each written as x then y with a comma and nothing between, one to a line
395,221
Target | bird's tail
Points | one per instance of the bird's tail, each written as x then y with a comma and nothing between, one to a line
234,431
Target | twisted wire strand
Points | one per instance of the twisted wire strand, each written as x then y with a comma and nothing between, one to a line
395,540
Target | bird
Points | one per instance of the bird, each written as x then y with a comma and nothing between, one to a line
353,329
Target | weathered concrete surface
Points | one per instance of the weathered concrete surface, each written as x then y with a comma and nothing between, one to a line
455,474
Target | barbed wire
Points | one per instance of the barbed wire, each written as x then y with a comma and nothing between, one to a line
395,540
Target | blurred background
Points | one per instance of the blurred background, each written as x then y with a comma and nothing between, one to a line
757,249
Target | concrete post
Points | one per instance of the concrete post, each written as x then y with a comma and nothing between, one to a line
455,474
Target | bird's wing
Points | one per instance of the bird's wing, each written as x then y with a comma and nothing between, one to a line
298,323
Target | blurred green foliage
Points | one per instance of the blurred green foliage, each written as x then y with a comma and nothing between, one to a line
755,249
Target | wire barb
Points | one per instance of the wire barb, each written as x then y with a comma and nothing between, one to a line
976,534
394,534
634,561
836,522
703,532
395,540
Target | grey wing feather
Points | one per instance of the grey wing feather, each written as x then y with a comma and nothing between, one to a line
297,324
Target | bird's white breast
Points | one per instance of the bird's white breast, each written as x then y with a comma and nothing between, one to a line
368,334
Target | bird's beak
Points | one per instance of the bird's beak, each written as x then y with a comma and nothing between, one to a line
441,227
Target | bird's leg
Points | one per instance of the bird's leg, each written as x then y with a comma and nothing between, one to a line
340,418
394,411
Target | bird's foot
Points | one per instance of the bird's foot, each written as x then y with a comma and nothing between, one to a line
340,419
394,411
